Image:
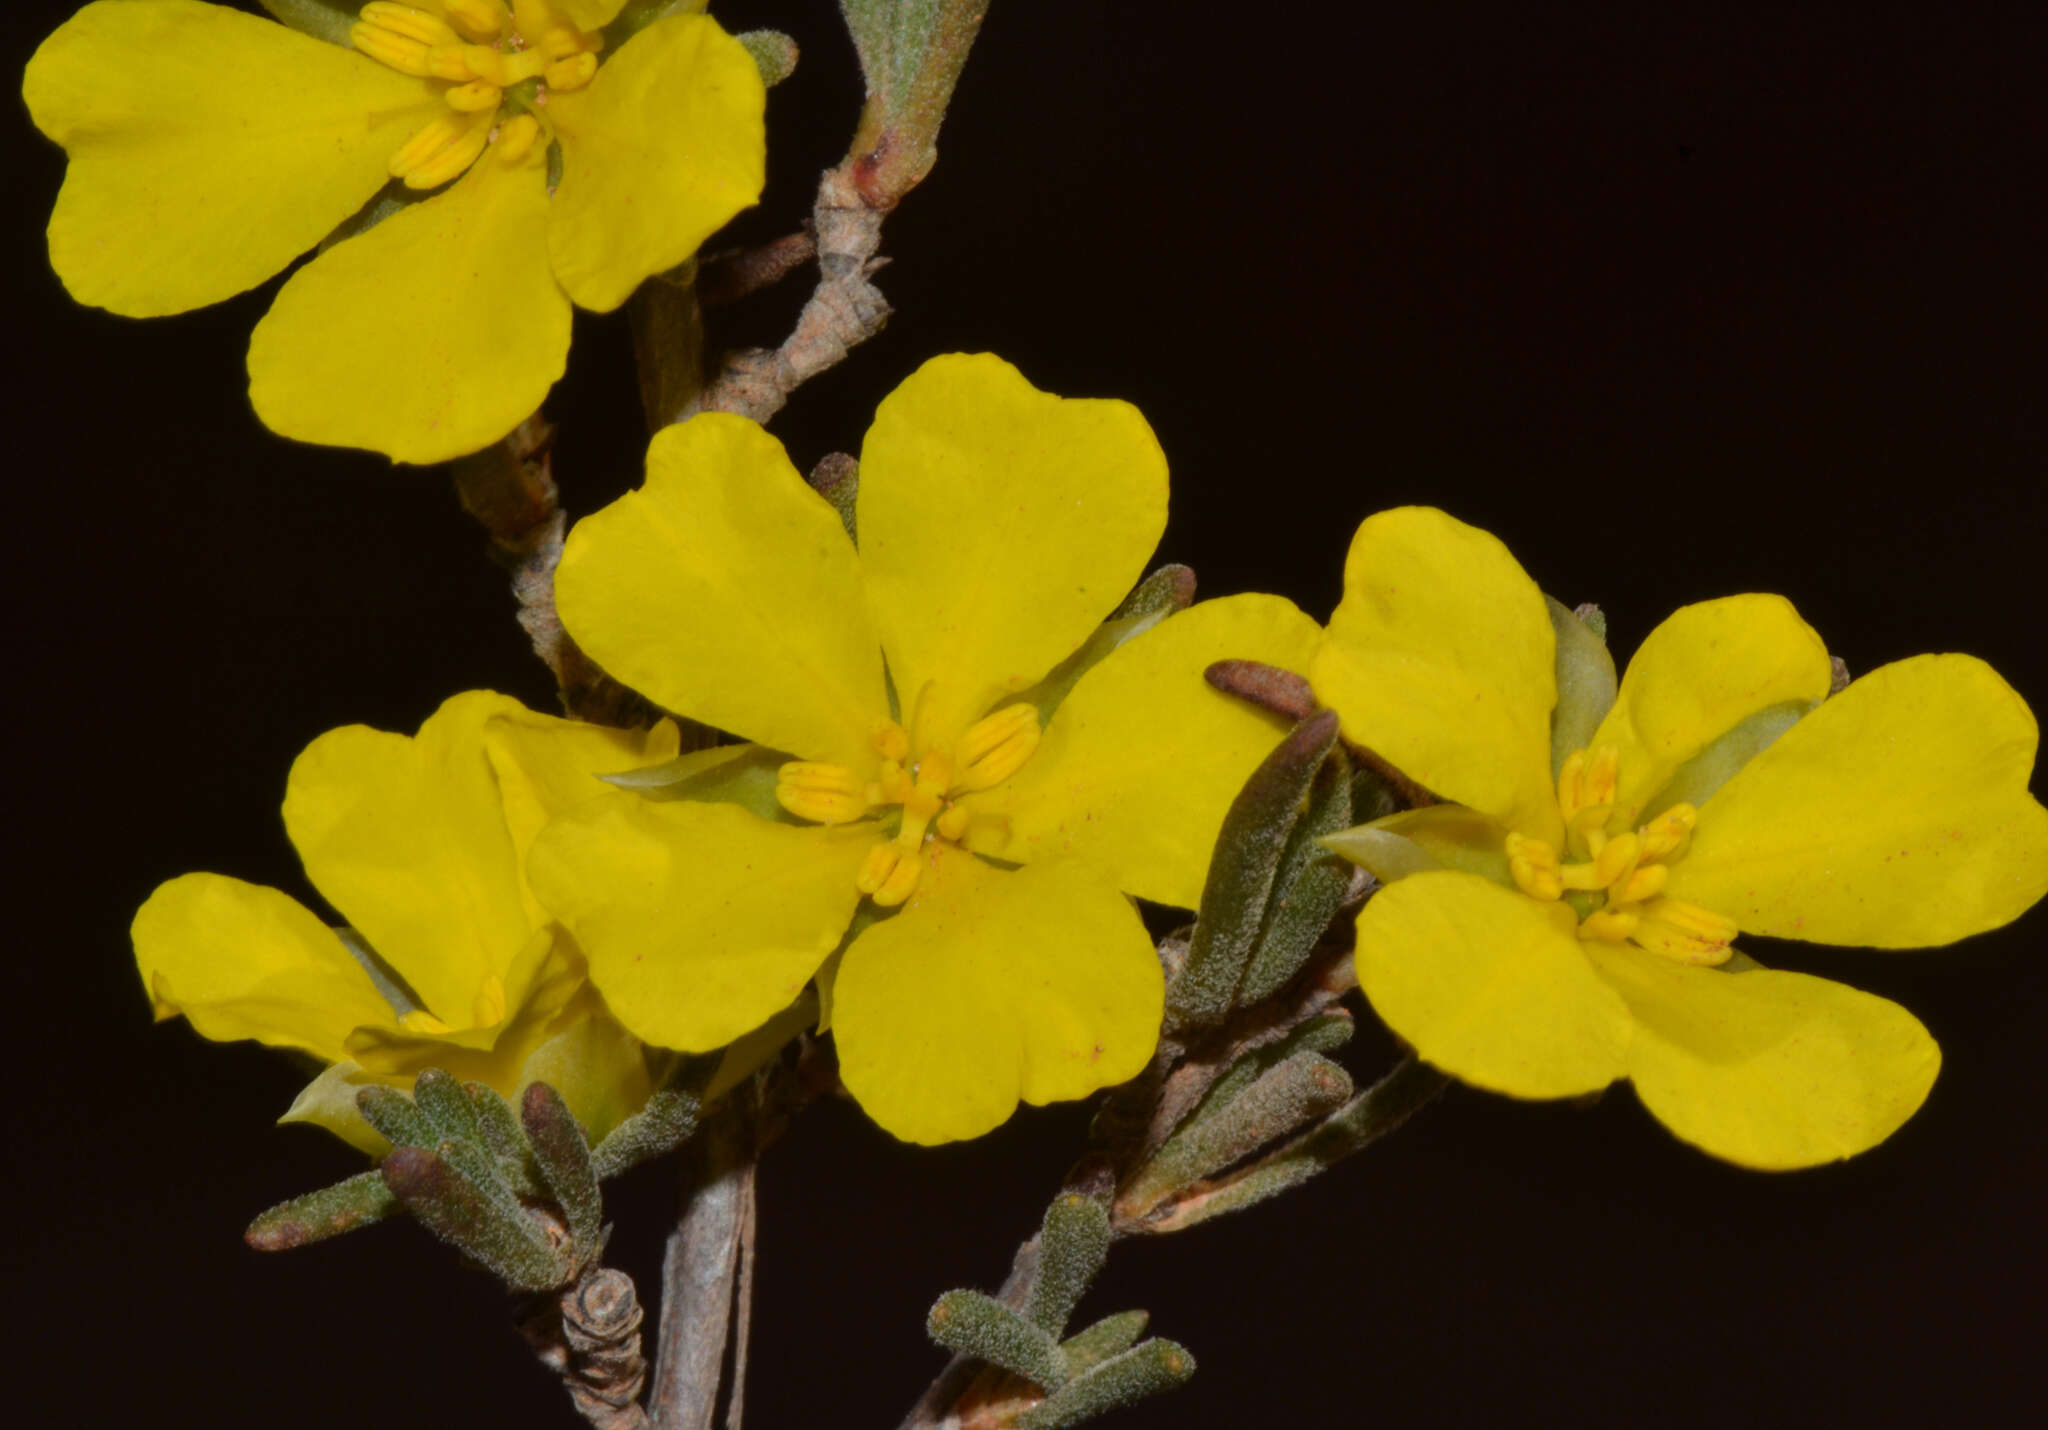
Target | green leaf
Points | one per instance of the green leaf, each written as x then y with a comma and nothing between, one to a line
970,1323
392,1113
473,1218
1437,836
360,1200
1309,888
1303,1087
1585,683
1072,1246
669,1117
1110,1336
1151,601
504,1138
1248,853
447,1108
563,1159
1138,1374
911,54
731,774
321,20
1324,1034
836,478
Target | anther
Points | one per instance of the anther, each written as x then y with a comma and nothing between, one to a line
995,748
1534,867
1609,925
385,47
446,146
888,740
515,142
889,874
451,61
1646,882
1685,932
1616,859
501,69
953,822
808,789
1601,776
1669,830
475,97
478,19
404,20
1571,785
573,72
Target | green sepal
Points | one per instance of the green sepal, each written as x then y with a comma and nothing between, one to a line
446,1107
504,1138
318,18
1586,682
1138,1374
1309,888
1248,852
358,1201
563,1159
1110,1336
481,1221
668,1119
836,478
1415,841
1300,1088
1695,781
392,1113
1072,1245
775,54
1152,600
911,54
970,1323
745,777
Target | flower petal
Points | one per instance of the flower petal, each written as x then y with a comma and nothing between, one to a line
1441,659
208,148
699,920
407,838
1491,986
546,766
990,986
1706,669
725,589
242,961
998,526
1894,816
428,337
664,146
1767,1069
1142,760
599,1068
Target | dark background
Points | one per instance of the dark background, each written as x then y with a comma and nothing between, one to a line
1680,303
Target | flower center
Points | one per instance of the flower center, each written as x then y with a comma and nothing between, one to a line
1615,880
483,49
926,789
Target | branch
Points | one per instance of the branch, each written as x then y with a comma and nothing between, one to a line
700,1269
590,1336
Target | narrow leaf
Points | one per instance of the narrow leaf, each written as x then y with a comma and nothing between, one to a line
836,478
470,1219
1586,683
1138,1374
969,1323
668,1119
1241,871
392,1113
775,54
1305,1086
1266,686
1309,887
447,1108
1151,601
563,1159
317,18
316,1216
1323,1034
1071,1248
1110,1336
503,1137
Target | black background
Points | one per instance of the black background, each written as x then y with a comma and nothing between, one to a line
1679,301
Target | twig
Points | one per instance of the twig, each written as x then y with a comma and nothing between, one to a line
590,1336
728,277
509,487
743,1303
699,1271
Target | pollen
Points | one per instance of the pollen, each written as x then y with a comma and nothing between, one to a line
1617,885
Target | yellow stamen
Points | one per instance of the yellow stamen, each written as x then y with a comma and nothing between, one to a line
1685,932
446,146
534,18
475,97
1647,882
890,873
1663,835
1534,867
1616,859
878,866
954,822
479,19
1601,776
405,56
515,142
451,61
995,748
404,20
502,69
573,72
889,741
808,789
1609,925
565,40
1571,785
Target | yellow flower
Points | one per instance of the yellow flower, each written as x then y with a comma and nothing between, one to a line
1569,920
448,960
209,148
998,526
